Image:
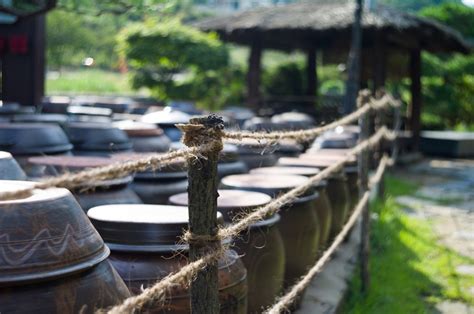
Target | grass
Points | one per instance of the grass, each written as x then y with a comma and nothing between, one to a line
89,81
410,271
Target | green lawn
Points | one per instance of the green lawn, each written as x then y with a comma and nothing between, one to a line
410,271
89,81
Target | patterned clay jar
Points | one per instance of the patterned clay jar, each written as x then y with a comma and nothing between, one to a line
321,203
299,225
260,247
144,242
114,191
52,260
337,189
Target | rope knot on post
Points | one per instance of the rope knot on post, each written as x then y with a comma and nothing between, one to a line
206,131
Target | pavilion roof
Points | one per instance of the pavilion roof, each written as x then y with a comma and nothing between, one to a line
328,26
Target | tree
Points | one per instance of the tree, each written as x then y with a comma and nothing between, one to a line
449,80
173,59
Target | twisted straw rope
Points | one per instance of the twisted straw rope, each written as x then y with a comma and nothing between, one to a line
157,292
286,300
116,170
304,135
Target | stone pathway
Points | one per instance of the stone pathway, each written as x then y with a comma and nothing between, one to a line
446,199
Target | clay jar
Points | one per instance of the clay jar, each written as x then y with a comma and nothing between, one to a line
260,247
299,225
322,205
230,162
25,140
9,168
144,240
52,260
337,189
97,139
156,186
113,191
257,154
145,137
350,170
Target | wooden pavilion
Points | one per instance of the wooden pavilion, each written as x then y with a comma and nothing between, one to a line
392,43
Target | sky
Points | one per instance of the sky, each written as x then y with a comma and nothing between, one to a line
468,2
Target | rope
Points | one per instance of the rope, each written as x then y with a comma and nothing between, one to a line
116,170
156,293
304,135
285,301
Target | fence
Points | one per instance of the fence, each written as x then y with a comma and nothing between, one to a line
204,139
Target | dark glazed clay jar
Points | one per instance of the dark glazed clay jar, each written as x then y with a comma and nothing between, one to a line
299,225
25,140
261,247
166,119
97,139
143,240
322,205
145,137
230,162
256,154
156,186
114,191
9,168
337,189
52,260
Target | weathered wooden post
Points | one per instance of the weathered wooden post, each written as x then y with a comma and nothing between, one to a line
363,166
202,194
380,120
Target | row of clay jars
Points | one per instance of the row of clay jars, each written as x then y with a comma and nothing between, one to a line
261,246
145,244
52,260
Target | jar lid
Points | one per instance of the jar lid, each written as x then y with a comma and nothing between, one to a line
142,228
45,235
334,158
139,129
33,138
279,170
230,202
271,185
41,118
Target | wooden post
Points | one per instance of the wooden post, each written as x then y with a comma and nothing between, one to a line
363,167
414,113
202,194
253,75
353,61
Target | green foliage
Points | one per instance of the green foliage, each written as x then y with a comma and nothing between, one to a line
415,5
176,61
448,81
456,15
72,37
285,79
410,271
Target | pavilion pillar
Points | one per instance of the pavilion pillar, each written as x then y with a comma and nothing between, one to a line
414,109
253,75
379,63
312,74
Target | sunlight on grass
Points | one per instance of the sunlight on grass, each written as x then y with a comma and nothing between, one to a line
410,271
89,81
